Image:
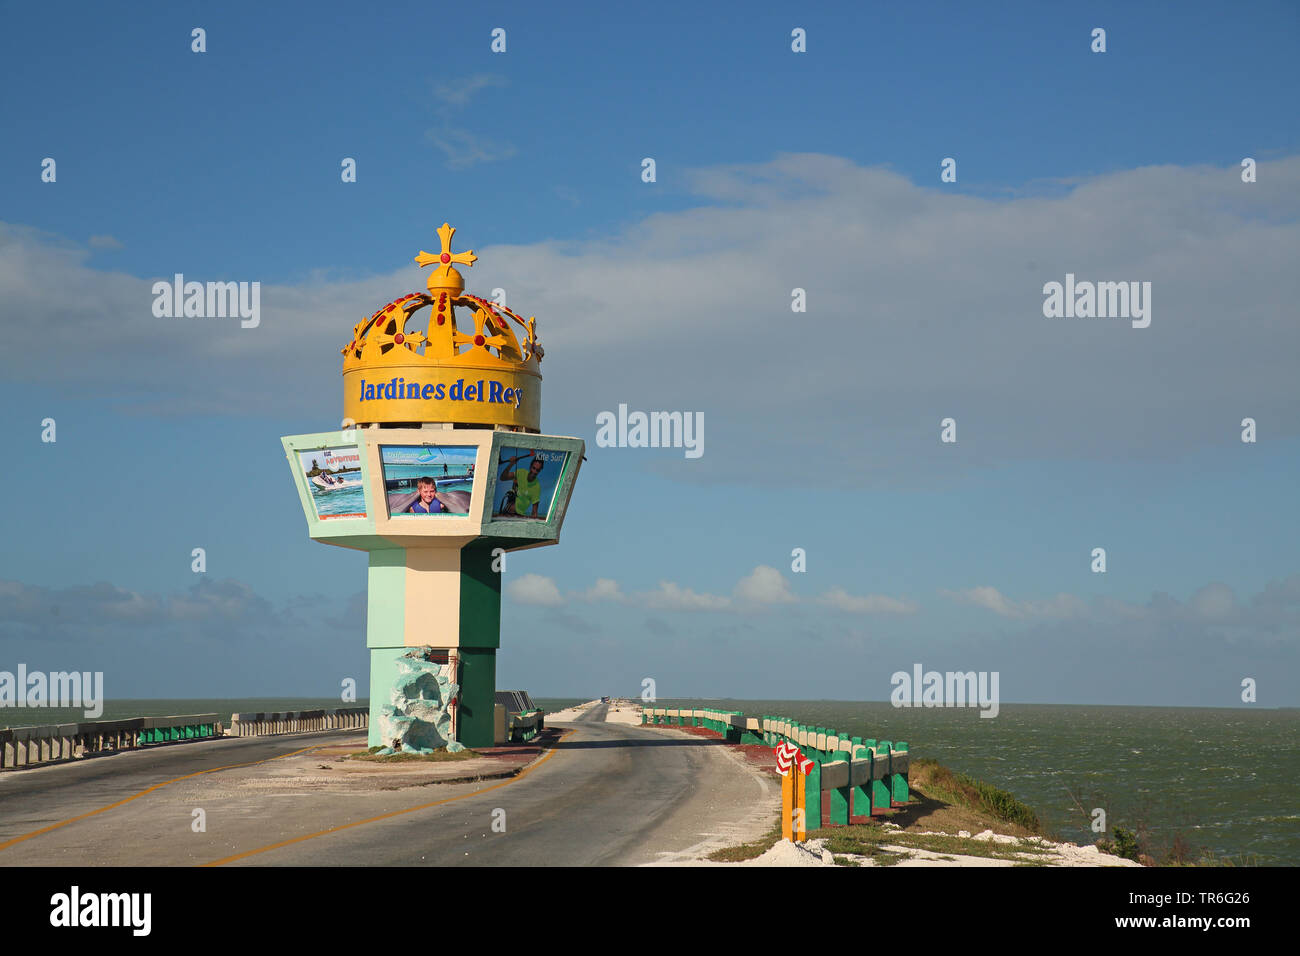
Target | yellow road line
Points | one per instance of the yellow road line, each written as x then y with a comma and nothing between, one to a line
395,813
156,786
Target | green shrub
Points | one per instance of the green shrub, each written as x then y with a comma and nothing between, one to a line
1001,804
1124,845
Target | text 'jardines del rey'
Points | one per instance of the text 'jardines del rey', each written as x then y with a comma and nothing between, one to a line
473,352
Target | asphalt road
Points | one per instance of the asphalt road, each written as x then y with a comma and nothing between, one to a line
596,714
611,794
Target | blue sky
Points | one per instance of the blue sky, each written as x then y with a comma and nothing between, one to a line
774,170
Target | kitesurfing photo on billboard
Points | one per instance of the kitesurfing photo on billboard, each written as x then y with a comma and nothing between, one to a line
428,479
334,477
526,482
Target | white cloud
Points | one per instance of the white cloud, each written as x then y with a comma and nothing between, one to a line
764,585
1214,600
464,148
919,301
605,589
672,597
534,589
989,598
1213,605
110,243
868,604
459,92
211,603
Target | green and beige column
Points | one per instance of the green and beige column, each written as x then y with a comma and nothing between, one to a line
447,597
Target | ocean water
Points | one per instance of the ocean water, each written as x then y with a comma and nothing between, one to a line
1227,780
431,470
553,704
338,501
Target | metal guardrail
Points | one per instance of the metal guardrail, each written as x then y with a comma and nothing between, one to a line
852,778
29,746
298,721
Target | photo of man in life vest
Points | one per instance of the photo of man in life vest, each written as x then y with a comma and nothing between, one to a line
526,482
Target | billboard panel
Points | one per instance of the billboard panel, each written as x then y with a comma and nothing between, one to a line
333,476
526,482
428,480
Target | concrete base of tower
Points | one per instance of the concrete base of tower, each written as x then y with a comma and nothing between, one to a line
468,717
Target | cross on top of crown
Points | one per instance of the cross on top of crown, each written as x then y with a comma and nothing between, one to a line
446,257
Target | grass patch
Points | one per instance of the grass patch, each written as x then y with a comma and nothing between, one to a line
959,789
438,756
859,840
748,851
867,840
964,846
942,800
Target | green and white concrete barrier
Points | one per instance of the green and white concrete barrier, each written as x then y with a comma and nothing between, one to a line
28,746
852,778
526,725
732,724
298,722
162,730
518,727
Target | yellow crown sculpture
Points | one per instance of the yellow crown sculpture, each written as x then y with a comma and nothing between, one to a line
393,373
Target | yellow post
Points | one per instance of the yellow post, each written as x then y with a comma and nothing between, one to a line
800,801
